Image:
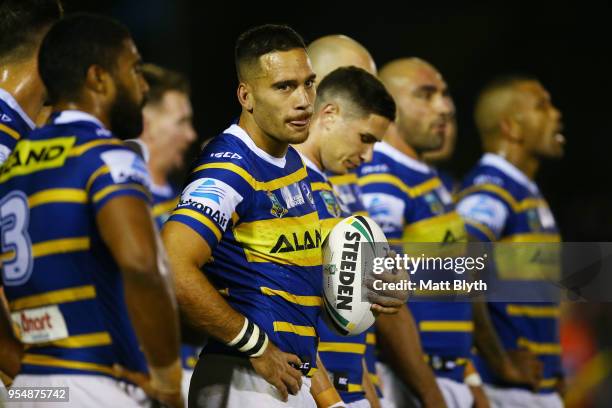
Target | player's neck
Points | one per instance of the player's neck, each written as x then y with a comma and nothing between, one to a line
311,147
21,80
529,165
393,138
273,147
159,177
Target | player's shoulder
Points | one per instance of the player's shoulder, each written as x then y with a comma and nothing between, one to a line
493,175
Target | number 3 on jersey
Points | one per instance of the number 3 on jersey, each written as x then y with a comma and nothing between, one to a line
14,239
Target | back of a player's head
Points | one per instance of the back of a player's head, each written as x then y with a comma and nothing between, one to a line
262,40
22,24
162,80
360,90
497,101
72,46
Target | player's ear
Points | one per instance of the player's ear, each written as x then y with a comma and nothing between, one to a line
97,79
245,96
510,129
330,113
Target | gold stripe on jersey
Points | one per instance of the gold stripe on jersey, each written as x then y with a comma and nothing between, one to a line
11,132
164,207
201,219
306,331
48,361
31,156
327,225
517,206
539,348
58,195
288,241
548,382
82,148
355,388
54,297
340,180
104,169
319,185
413,192
374,378
338,347
533,311
482,228
271,185
83,340
440,228
371,338
290,297
446,326
117,187
52,247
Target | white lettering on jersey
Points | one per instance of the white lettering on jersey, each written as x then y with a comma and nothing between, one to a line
226,155
387,210
292,195
40,325
486,210
212,197
125,165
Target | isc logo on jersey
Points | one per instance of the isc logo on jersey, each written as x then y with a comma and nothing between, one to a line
212,197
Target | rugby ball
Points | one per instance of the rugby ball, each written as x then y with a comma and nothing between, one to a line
348,251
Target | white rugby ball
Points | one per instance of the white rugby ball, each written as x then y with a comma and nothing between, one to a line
344,258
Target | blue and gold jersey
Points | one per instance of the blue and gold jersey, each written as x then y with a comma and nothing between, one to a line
258,215
410,203
64,289
499,203
165,199
14,124
342,356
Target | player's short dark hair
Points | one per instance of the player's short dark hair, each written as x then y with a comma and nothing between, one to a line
74,44
162,80
360,88
508,80
262,40
21,24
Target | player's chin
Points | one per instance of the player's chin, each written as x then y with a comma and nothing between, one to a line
296,134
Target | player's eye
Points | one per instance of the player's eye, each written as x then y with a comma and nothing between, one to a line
310,83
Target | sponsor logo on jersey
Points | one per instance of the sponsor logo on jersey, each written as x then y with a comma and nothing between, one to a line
277,209
5,118
226,155
35,155
126,166
40,325
297,241
292,195
214,198
332,206
208,189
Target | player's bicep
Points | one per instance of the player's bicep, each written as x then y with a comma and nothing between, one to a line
485,216
186,248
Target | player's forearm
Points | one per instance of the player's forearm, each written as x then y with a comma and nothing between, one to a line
486,340
11,348
153,312
368,387
399,341
321,388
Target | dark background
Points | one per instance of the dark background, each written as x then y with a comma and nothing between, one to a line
566,47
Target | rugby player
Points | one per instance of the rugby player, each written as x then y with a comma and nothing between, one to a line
23,23
400,337
500,202
167,133
83,268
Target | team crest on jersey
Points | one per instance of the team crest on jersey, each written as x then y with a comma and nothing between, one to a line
331,204
277,209
435,205
308,194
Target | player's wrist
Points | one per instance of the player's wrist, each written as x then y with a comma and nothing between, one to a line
250,340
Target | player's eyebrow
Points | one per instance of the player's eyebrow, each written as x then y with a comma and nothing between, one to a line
290,83
428,88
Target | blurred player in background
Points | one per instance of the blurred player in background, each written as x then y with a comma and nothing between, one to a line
519,127
23,24
83,268
167,134
443,155
398,332
352,112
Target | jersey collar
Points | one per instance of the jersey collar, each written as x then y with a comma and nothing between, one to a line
387,149
309,163
69,116
237,131
12,102
500,163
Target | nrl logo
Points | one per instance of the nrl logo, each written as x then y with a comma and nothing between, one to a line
277,209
